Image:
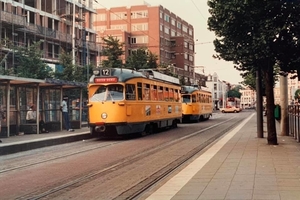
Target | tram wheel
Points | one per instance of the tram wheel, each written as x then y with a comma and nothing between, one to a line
149,128
174,123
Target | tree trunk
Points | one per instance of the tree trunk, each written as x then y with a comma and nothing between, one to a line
271,128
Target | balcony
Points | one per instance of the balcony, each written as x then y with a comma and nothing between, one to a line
21,24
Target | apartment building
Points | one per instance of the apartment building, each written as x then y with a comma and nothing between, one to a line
57,24
164,33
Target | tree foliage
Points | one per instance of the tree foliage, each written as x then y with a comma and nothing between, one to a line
253,34
71,72
29,63
137,60
112,50
142,58
297,95
234,93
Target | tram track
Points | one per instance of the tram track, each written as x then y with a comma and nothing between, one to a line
19,166
138,189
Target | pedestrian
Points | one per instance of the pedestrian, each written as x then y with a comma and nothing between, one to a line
31,118
65,113
2,117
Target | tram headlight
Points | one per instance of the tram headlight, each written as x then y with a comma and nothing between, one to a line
104,115
96,72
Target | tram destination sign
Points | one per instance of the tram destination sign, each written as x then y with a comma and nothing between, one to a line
105,80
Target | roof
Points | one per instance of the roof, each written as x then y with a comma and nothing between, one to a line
14,80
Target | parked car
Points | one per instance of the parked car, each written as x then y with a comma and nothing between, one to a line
230,110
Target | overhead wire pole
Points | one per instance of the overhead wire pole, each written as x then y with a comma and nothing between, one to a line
73,34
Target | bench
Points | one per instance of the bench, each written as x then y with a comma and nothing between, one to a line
28,128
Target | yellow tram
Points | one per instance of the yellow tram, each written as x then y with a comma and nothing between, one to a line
124,101
196,103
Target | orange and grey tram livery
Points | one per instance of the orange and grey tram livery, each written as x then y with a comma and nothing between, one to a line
196,103
124,101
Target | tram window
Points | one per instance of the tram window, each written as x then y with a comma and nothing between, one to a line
154,92
186,98
194,98
140,93
146,93
160,94
176,95
114,93
108,93
171,94
130,92
166,94
99,94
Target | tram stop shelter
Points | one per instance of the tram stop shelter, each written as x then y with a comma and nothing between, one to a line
16,93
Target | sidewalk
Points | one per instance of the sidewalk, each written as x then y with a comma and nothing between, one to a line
239,166
26,142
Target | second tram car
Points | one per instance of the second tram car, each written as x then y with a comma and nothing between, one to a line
196,104
123,101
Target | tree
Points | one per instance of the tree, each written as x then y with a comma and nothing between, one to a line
113,50
152,60
297,95
142,58
138,59
67,73
249,34
30,64
234,93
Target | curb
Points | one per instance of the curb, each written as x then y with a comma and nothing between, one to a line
29,145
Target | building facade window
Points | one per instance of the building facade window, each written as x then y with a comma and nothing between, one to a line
173,22
179,25
142,39
167,30
139,14
118,16
119,27
167,18
186,56
186,67
215,86
139,27
185,45
184,28
173,33
101,17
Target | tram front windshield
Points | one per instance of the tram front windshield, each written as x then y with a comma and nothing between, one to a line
186,98
108,93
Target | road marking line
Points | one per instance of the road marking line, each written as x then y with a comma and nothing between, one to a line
175,184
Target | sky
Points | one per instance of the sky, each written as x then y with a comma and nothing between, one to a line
195,12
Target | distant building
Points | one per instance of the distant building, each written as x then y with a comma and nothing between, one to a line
155,27
248,98
293,85
219,90
24,22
